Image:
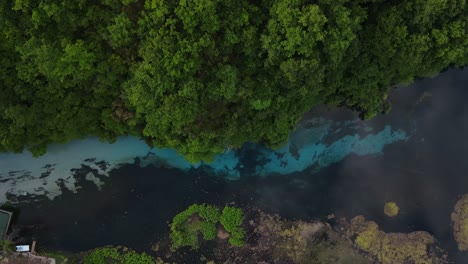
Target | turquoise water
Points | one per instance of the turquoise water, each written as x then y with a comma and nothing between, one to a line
23,175
311,151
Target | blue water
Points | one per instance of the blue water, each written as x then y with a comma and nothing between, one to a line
23,175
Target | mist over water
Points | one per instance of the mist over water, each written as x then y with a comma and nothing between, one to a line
124,193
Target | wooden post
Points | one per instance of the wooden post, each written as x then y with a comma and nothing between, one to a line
33,247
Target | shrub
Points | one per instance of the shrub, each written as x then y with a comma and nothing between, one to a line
111,255
102,256
188,224
391,209
231,219
7,247
208,230
237,241
133,257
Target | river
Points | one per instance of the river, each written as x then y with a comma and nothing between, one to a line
87,193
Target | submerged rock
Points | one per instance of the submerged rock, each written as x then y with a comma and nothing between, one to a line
460,223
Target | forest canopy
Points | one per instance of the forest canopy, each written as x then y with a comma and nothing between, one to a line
201,76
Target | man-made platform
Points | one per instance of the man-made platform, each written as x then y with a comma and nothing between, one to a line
5,218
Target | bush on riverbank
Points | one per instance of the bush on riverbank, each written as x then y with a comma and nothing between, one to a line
187,225
7,247
202,219
231,219
117,255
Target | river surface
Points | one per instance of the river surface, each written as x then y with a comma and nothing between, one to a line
87,193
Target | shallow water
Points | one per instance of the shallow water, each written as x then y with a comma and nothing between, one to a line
124,193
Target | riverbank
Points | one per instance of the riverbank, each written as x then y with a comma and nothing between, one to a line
272,239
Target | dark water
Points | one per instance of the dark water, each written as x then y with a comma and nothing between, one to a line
425,175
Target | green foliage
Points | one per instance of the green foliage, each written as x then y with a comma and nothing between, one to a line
203,76
101,256
391,209
135,258
114,255
231,219
416,247
7,247
187,225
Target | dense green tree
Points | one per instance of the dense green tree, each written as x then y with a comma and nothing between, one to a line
203,76
59,78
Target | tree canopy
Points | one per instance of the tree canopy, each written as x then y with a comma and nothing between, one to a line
203,76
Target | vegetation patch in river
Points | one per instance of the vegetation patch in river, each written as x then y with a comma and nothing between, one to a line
206,220
393,248
460,222
391,209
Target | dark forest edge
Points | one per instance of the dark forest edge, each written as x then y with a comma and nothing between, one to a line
204,76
